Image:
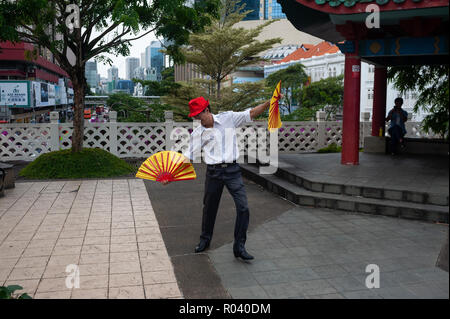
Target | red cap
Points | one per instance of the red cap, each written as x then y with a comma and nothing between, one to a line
197,105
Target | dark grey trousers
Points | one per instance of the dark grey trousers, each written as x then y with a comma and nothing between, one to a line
216,179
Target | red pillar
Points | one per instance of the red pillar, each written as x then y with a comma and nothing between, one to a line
350,125
379,100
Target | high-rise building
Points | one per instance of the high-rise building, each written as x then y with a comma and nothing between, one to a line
130,65
113,74
263,9
155,58
251,5
91,74
272,10
143,60
139,73
150,74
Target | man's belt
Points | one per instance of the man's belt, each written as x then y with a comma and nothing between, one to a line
222,165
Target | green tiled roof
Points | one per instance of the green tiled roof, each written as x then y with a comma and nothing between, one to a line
351,3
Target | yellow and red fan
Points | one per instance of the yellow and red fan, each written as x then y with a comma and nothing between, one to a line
274,110
166,166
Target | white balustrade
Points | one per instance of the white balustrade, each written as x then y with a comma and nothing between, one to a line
25,141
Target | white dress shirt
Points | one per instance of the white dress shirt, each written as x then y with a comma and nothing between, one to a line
219,143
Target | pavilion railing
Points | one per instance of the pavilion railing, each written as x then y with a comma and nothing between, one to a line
25,141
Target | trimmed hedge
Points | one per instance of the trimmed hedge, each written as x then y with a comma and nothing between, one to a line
89,163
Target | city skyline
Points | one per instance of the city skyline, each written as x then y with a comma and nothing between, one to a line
136,48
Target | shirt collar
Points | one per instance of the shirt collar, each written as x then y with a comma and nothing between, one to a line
216,118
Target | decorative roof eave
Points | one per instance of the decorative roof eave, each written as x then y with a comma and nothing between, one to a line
336,26
359,6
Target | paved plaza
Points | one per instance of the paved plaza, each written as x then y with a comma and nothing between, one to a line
131,239
312,253
106,227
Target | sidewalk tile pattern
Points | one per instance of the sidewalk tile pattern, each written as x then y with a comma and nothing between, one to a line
107,228
320,253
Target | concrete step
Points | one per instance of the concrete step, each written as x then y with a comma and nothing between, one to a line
302,196
363,191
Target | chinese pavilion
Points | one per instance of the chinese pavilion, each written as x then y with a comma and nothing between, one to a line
380,32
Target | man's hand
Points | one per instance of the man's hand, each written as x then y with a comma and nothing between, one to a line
258,110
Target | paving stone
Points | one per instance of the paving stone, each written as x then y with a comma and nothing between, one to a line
162,291
158,277
362,294
329,271
132,292
29,285
99,293
346,283
253,292
52,284
26,273
25,262
271,277
396,293
326,296
125,267
281,291
124,280
314,287
240,279
427,291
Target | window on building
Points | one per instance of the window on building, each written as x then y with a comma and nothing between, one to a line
277,13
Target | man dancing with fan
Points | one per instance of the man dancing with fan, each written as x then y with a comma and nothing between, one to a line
216,136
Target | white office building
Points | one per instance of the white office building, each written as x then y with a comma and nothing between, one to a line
113,74
131,64
330,65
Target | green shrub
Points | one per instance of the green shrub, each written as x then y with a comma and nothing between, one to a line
8,292
332,148
89,163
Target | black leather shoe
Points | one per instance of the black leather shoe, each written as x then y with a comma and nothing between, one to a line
202,245
243,254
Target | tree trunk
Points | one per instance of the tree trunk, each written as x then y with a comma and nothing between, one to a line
218,89
78,119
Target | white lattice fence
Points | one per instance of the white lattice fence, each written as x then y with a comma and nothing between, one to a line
180,136
19,141
333,133
27,141
140,139
294,137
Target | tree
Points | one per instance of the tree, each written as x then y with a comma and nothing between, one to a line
222,48
302,114
236,97
133,109
160,88
431,81
66,29
326,94
292,79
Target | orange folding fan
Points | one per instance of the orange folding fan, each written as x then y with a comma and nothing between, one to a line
274,111
166,166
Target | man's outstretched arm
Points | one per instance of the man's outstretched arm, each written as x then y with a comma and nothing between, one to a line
258,110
